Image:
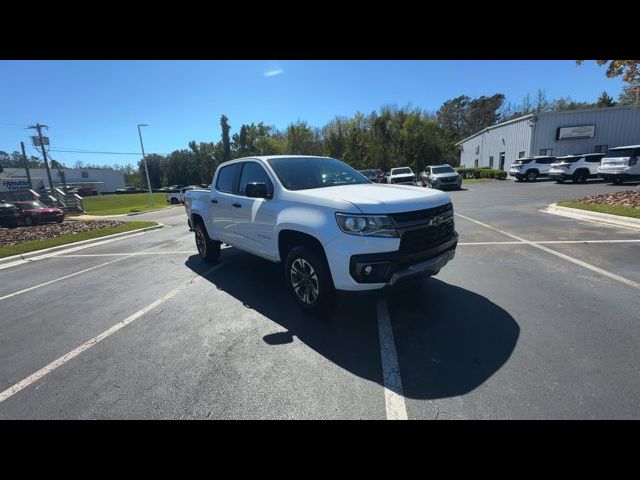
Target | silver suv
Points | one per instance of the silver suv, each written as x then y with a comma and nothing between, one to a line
441,177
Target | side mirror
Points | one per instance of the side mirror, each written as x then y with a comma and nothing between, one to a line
256,190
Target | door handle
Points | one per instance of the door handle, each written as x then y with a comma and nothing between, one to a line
214,200
237,205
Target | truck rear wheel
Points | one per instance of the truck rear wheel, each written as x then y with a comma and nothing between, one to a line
309,279
208,249
174,201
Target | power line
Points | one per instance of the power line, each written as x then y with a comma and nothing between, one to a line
98,152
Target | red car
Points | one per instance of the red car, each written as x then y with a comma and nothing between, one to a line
33,212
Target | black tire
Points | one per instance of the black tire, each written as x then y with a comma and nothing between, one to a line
208,249
174,201
532,176
579,177
617,181
309,280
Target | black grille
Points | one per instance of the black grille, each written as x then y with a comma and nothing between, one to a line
420,215
427,237
448,179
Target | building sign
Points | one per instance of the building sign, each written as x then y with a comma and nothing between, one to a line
14,184
570,133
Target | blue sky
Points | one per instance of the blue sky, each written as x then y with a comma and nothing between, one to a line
96,105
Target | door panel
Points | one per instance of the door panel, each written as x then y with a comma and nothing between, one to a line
222,198
254,220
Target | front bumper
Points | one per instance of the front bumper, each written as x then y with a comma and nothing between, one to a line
559,175
391,267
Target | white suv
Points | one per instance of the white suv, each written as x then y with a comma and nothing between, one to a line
576,167
620,164
530,168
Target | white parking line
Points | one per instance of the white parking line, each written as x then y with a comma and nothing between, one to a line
537,245
393,394
81,255
552,242
34,377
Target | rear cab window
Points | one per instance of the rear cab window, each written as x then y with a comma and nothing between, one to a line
622,153
227,178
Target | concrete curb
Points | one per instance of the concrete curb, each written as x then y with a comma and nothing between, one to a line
25,257
602,218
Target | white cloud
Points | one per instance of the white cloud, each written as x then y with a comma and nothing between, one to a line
274,72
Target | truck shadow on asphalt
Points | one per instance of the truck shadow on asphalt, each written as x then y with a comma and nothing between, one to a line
449,340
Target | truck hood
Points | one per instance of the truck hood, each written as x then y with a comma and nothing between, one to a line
378,198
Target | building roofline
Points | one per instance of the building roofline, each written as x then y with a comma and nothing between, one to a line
545,114
491,127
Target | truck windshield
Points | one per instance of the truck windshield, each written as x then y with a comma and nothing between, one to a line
400,171
301,173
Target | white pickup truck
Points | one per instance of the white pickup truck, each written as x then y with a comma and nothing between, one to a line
329,226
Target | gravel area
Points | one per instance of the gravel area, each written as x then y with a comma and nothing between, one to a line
628,198
14,236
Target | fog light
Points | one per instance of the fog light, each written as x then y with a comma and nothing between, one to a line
367,270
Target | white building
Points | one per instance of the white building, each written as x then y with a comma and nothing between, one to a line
553,133
103,180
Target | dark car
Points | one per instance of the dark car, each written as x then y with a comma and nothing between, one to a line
130,190
374,175
33,212
8,215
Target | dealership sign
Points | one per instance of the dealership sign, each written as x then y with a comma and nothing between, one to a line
13,184
568,133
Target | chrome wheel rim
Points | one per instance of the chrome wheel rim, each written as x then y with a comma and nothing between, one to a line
201,243
304,281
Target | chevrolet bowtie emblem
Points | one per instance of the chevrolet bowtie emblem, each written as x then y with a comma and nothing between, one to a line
435,221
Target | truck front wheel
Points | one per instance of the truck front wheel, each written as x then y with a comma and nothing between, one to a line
308,279
208,249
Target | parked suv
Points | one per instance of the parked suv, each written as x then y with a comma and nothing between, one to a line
576,167
440,176
621,164
530,168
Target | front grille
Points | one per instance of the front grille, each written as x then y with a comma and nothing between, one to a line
424,238
420,216
448,179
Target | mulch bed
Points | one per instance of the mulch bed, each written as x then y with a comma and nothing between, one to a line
15,236
629,198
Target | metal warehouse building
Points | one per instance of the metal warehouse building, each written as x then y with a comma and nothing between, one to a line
554,133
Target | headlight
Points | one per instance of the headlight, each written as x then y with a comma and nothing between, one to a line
367,225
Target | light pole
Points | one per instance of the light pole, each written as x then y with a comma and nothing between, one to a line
144,159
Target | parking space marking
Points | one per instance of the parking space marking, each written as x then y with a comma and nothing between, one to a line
552,242
568,258
69,250
393,394
55,280
34,377
81,255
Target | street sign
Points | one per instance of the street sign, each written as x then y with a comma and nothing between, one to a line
36,140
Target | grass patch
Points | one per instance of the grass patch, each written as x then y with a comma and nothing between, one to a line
477,180
64,239
115,204
610,209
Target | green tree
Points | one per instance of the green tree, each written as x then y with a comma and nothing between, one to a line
604,100
226,143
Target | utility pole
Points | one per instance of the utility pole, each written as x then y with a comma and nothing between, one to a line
144,158
26,165
38,127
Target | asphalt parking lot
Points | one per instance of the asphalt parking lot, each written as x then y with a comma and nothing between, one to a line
536,317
